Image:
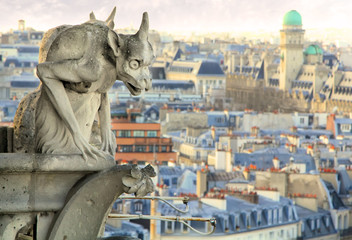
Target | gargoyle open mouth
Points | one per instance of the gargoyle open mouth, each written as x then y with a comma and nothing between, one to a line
134,90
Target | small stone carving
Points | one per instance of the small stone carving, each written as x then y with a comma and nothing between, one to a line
139,182
77,66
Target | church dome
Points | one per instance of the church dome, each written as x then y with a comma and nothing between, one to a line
313,50
292,18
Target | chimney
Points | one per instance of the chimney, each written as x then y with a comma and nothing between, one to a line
255,131
276,163
330,124
129,112
201,182
220,159
246,173
310,150
332,148
162,112
229,131
213,132
336,163
293,148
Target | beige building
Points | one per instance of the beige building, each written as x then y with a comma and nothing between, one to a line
291,44
294,80
309,191
205,74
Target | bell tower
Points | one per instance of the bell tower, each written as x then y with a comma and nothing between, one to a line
291,44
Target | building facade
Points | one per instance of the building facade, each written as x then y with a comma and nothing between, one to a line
140,142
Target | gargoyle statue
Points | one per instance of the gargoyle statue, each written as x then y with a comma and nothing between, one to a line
139,182
77,66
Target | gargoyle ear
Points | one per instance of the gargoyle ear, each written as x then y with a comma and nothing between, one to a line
144,28
92,16
114,42
111,24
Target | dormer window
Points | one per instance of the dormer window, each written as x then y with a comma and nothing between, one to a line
119,207
346,127
312,224
327,221
169,227
184,228
138,207
226,224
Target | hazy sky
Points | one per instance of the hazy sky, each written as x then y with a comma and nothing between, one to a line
179,15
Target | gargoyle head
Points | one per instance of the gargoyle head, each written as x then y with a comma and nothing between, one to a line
133,55
138,181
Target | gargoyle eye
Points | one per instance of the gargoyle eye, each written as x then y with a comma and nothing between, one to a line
134,64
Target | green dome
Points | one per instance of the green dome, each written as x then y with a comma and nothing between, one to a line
292,18
313,50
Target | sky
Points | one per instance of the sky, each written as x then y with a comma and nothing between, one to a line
179,15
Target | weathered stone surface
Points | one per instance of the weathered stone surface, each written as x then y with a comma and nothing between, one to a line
13,224
77,66
39,182
90,201
36,186
24,122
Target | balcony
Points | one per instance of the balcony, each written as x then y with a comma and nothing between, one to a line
151,141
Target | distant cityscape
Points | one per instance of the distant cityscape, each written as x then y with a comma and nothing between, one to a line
256,131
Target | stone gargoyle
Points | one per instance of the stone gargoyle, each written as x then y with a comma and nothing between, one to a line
77,66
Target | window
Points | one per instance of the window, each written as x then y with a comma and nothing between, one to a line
153,148
163,148
327,221
166,182
138,207
226,225
301,120
124,133
312,224
174,181
346,127
140,148
119,207
208,227
219,120
137,133
184,228
151,134
126,148
169,227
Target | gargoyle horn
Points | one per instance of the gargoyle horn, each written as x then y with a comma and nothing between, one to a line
112,16
92,16
144,28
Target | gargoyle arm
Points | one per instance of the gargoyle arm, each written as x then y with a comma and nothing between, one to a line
108,141
52,74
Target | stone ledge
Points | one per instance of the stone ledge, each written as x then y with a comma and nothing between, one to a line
24,162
